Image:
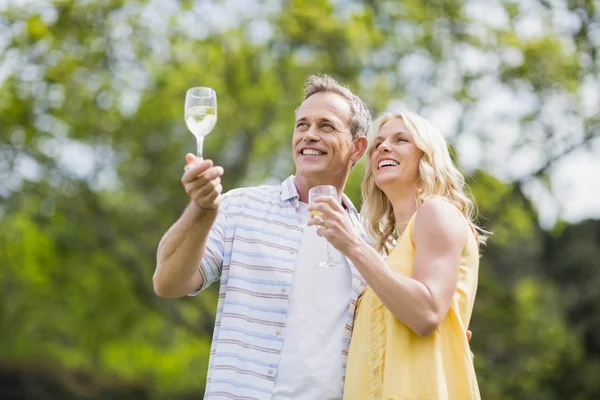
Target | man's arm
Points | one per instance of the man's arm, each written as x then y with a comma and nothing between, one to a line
182,248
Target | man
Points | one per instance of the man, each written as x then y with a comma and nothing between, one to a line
283,326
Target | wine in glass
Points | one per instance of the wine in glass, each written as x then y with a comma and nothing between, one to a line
313,193
200,113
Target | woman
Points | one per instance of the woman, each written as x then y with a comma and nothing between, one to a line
409,338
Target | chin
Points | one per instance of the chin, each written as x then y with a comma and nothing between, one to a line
310,171
384,180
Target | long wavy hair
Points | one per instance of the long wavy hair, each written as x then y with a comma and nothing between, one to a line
438,177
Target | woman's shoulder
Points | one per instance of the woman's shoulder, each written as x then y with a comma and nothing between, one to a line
439,208
438,217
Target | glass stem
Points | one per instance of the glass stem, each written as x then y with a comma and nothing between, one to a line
199,146
330,260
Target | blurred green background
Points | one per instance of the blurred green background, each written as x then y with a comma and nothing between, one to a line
92,145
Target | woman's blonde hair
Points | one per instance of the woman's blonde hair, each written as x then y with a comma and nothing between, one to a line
438,177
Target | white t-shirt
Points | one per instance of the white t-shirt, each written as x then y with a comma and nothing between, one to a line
311,359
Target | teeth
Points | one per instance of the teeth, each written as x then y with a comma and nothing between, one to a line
311,152
383,163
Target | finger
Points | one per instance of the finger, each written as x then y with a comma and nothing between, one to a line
190,158
211,174
208,198
202,170
331,201
200,189
316,221
323,198
194,169
198,166
469,335
321,231
201,183
326,213
319,207
213,188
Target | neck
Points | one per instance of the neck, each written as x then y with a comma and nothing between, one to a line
303,185
404,205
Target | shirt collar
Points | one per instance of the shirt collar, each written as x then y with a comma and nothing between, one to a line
288,189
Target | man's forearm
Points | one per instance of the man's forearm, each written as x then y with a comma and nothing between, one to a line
180,252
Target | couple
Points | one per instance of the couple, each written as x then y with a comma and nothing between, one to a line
283,327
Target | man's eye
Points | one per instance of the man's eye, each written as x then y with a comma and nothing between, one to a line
301,124
326,126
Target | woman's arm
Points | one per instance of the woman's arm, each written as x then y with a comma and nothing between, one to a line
421,302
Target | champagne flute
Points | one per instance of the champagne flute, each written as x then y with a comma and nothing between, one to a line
200,113
313,193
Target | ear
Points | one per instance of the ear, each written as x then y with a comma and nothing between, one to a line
360,146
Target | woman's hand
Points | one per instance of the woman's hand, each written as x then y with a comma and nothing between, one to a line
333,223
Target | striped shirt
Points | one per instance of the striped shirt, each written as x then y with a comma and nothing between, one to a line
252,250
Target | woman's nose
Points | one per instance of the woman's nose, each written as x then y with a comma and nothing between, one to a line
383,148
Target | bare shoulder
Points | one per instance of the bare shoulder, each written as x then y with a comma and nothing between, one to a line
439,219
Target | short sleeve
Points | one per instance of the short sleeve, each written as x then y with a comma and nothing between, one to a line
211,265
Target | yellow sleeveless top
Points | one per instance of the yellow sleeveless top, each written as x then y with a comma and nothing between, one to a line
388,361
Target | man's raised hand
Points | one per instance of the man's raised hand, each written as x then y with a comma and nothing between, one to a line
202,182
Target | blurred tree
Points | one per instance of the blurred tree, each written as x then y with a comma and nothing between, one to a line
92,143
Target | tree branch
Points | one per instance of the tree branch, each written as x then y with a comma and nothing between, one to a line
553,159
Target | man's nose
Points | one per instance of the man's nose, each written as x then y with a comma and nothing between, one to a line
311,135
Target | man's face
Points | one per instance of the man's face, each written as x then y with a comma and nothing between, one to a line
322,144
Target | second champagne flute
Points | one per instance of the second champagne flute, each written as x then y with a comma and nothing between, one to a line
313,193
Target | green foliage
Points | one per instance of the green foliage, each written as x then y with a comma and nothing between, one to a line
524,339
92,145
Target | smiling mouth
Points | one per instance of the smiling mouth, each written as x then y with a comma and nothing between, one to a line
387,163
312,152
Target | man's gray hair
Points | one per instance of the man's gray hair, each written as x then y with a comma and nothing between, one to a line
360,118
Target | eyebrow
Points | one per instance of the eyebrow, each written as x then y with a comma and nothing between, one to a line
393,135
320,119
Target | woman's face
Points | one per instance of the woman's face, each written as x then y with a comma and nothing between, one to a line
395,158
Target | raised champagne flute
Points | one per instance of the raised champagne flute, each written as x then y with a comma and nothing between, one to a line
313,193
200,114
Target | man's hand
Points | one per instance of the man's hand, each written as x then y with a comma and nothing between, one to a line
202,182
